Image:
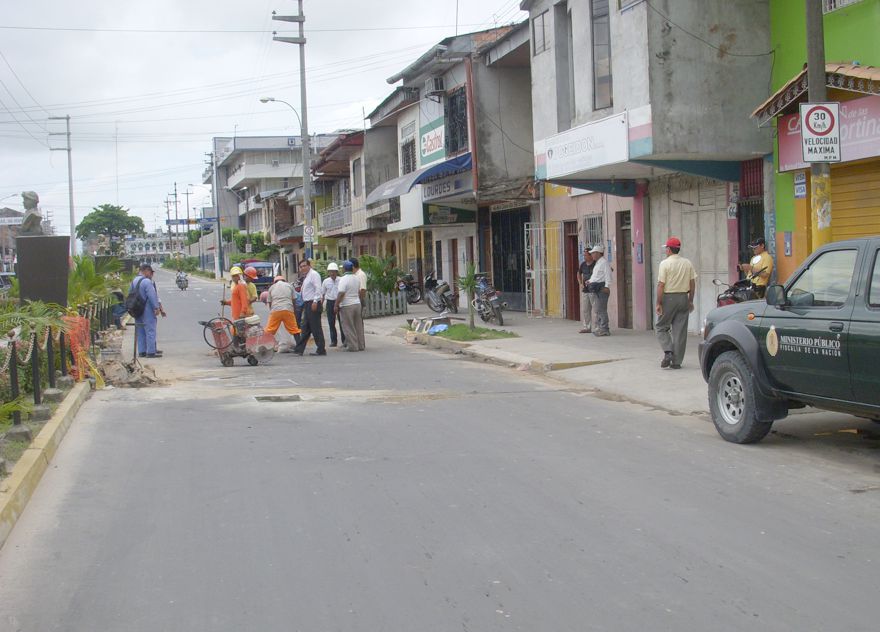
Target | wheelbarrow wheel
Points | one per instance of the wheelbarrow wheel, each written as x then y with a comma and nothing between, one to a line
227,360
252,360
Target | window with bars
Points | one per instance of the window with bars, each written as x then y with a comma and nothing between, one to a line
832,5
455,110
593,229
540,33
408,162
601,30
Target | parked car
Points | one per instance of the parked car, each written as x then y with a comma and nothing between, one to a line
813,341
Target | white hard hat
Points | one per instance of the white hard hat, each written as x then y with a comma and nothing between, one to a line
333,267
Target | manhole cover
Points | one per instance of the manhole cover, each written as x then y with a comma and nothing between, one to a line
278,398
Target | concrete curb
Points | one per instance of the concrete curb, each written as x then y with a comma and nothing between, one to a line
16,490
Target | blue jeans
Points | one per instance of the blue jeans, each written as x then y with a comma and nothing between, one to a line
145,330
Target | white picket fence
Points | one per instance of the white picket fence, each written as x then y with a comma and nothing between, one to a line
385,304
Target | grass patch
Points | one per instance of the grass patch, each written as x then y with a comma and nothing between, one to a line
463,333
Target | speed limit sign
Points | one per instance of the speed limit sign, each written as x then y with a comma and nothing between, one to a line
308,234
820,132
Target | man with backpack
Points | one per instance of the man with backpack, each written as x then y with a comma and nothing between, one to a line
142,302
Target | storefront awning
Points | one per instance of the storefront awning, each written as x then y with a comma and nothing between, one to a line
838,76
265,195
403,184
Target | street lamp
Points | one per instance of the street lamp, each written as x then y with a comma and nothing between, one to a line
307,172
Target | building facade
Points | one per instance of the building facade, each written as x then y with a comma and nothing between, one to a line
650,118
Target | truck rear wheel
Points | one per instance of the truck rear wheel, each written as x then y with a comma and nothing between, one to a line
732,400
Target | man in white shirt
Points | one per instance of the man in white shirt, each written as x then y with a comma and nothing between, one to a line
331,290
312,295
598,286
348,305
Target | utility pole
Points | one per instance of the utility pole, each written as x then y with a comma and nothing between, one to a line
307,154
69,178
167,226
176,217
820,172
186,232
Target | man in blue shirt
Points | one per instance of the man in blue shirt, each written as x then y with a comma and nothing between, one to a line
145,324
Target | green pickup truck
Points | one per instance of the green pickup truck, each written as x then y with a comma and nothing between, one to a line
814,341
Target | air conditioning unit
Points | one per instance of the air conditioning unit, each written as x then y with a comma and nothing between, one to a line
275,163
434,86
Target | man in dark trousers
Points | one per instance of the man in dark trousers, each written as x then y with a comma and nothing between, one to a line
312,295
585,271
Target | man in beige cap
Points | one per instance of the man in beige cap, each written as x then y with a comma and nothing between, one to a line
676,286
599,285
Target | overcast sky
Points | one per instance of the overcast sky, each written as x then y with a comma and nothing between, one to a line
148,84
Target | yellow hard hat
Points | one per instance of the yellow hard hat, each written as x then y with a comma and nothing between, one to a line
235,270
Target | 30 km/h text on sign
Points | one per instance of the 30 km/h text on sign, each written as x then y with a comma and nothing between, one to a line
820,132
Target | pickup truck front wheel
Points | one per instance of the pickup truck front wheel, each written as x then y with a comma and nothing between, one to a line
732,400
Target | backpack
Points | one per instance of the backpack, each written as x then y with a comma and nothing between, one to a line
135,304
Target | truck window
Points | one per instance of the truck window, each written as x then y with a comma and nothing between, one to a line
827,282
874,288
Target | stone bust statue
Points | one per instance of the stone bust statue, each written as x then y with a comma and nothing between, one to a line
32,224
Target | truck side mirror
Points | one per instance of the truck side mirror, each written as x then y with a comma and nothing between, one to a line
776,296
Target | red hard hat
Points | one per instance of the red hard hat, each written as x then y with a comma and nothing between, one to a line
251,272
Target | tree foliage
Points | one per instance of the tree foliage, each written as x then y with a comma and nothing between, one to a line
110,220
382,273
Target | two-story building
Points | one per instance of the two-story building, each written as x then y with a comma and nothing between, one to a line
248,171
646,104
461,189
153,248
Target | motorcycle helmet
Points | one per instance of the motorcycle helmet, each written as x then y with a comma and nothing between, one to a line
250,272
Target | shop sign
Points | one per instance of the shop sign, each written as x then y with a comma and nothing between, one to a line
859,126
588,146
800,185
506,206
432,141
820,132
440,215
448,186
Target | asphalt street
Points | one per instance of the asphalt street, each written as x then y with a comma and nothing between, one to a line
411,490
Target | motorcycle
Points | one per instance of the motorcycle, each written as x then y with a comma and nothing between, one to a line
182,282
244,338
487,301
407,284
438,295
741,291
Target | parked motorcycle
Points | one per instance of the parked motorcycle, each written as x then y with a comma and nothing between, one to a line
487,301
182,281
741,291
408,284
438,295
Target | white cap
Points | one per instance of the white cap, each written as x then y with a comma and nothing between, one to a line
332,266
598,249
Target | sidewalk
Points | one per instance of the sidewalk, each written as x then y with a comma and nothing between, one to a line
625,365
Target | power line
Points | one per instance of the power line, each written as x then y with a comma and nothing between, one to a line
20,82
226,31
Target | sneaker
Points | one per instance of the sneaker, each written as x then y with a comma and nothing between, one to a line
599,334
317,353
332,344
666,361
297,353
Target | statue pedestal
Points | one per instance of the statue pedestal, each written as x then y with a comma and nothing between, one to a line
43,266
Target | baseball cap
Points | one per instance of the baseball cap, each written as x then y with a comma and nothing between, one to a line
347,266
758,242
672,242
597,248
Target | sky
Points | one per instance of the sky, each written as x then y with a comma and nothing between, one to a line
148,84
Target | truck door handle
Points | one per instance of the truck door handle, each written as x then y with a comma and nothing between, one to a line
836,326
